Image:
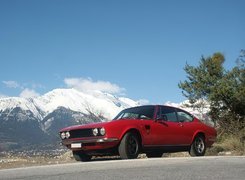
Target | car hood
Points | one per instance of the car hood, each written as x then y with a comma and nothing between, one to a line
85,126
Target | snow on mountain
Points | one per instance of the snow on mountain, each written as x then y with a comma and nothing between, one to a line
97,102
11,103
23,121
203,107
128,101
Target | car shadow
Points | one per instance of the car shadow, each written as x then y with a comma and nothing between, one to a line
105,158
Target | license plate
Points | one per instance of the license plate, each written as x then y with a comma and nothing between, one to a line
76,145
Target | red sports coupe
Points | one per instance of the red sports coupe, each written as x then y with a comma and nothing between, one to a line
151,129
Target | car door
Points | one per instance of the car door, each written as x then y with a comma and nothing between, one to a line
188,127
166,128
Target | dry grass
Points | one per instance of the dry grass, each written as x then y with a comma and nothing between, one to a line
234,144
22,161
228,145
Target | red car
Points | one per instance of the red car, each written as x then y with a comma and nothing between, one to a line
151,129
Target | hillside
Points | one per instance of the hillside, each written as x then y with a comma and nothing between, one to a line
25,123
29,123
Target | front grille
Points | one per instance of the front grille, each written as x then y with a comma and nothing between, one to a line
79,133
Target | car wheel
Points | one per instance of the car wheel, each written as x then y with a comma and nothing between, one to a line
154,154
80,156
198,147
129,146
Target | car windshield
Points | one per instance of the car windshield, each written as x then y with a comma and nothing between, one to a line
142,112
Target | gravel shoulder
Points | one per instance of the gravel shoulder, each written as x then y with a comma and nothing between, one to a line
27,159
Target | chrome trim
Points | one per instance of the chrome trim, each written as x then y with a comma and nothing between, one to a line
100,140
166,145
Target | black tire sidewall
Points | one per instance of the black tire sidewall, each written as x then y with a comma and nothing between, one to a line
193,150
81,156
123,147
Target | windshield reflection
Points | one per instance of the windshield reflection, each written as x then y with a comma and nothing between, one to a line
143,112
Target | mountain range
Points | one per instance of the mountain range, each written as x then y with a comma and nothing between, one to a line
35,122
27,123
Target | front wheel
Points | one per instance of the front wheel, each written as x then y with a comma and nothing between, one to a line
129,146
198,147
80,156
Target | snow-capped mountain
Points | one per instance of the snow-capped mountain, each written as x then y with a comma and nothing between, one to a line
71,99
23,120
37,121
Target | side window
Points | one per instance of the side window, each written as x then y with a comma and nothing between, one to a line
183,116
130,115
168,114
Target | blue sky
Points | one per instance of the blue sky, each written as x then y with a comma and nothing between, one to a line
135,48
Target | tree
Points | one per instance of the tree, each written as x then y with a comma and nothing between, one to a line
95,115
223,89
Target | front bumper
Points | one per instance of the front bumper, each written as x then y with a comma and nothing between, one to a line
91,144
97,140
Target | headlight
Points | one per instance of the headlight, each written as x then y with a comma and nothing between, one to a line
95,131
102,131
67,134
63,135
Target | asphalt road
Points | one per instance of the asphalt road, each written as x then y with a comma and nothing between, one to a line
160,168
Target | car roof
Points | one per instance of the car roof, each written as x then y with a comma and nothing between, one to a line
158,106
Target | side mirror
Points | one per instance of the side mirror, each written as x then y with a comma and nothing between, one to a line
181,120
162,118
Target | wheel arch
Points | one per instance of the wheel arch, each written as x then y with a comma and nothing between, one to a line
199,133
134,130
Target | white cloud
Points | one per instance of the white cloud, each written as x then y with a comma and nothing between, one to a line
87,85
11,84
37,85
3,96
29,93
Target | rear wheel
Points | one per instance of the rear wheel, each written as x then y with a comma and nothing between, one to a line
129,146
80,156
198,146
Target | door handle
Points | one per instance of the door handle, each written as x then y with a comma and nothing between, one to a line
147,128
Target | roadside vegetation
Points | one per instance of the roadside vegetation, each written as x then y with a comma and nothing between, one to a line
224,90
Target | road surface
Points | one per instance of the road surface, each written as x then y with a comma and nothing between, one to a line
187,168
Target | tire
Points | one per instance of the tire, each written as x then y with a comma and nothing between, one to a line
154,154
129,147
198,146
80,156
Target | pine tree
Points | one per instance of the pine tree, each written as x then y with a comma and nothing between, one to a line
223,89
